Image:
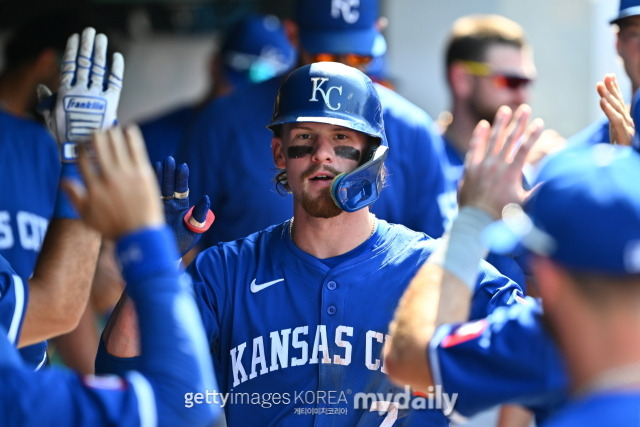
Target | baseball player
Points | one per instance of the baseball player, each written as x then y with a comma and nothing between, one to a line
509,356
227,156
30,162
122,202
617,125
296,315
253,50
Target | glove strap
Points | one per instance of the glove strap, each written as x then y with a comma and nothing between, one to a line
69,152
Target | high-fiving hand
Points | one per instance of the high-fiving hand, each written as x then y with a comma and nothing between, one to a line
87,99
493,165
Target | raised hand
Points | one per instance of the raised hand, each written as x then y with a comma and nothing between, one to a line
621,126
187,222
493,165
121,193
87,99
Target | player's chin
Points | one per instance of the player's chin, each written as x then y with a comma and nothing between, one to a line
321,206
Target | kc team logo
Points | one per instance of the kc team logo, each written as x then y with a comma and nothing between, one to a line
325,93
347,8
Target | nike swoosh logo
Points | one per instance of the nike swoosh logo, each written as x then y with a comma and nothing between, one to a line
257,288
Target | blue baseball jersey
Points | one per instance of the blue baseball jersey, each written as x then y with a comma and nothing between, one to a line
176,358
29,172
14,294
297,340
603,409
595,133
163,133
505,358
229,156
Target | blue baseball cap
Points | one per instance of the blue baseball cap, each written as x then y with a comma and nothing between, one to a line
257,49
627,8
340,27
585,215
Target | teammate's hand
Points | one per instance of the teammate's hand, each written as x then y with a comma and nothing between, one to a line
187,222
493,165
621,126
121,193
87,99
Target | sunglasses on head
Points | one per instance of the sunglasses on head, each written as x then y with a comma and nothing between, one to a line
500,80
350,59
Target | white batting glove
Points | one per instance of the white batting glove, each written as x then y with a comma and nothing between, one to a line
86,101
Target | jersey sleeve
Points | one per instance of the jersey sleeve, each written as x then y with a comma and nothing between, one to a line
504,358
493,290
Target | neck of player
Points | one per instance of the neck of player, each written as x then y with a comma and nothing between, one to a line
330,237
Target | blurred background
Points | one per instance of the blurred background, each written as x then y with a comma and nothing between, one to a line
167,44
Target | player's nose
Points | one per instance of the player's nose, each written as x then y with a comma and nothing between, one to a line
323,150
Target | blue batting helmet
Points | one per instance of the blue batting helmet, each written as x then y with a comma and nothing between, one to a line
334,93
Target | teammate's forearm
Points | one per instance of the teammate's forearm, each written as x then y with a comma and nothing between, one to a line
439,293
61,282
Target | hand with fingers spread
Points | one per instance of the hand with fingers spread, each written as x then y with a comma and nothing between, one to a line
493,165
87,99
187,222
621,126
121,194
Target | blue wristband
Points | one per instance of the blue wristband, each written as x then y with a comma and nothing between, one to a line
64,208
147,253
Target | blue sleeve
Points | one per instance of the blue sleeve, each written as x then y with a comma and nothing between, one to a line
493,290
175,356
595,133
504,358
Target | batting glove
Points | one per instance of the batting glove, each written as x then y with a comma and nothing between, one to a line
86,101
187,222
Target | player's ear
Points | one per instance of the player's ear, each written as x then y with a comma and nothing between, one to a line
278,152
548,278
460,80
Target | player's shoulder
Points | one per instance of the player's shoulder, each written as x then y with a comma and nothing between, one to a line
596,132
401,239
269,239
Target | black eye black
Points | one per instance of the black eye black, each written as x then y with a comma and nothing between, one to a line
299,151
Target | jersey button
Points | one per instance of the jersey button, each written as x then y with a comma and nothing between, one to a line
331,310
332,285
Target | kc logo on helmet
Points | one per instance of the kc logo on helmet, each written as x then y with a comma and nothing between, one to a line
347,8
325,94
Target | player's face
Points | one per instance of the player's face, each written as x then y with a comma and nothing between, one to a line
629,48
313,155
512,71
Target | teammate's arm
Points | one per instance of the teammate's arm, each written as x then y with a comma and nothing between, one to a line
441,290
121,200
59,288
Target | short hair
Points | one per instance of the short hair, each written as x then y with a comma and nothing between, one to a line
472,35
